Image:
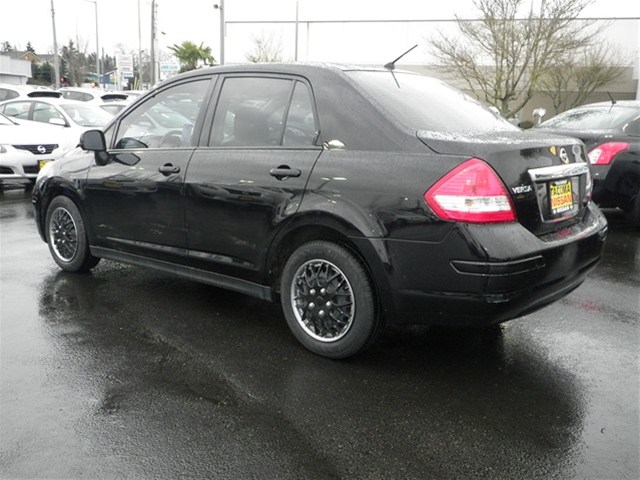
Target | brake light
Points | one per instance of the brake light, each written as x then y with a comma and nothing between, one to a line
603,154
471,193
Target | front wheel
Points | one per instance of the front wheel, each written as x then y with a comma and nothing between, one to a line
329,301
67,237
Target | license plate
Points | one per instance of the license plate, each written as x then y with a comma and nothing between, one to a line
42,163
561,196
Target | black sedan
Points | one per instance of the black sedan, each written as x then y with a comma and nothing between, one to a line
611,133
355,197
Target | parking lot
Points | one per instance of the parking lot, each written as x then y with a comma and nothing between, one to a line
130,373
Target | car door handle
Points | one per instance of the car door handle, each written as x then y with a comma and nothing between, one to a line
284,171
168,169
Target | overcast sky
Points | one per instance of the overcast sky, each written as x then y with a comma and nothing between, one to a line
22,21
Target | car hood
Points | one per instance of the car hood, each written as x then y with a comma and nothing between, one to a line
23,135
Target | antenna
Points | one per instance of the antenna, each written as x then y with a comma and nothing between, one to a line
613,102
392,65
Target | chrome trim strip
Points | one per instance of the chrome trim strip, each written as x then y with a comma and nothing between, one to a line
558,171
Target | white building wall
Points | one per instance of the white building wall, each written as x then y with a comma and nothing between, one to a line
14,72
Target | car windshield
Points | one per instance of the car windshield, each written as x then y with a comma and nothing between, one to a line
87,115
425,103
604,117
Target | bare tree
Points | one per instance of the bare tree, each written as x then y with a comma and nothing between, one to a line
266,48
503,56
572,78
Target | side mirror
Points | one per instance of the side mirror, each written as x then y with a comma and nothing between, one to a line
58,121
93,141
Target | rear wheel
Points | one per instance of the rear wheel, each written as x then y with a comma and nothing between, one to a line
67,237
329,301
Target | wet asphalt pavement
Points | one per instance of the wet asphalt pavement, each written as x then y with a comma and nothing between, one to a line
129,373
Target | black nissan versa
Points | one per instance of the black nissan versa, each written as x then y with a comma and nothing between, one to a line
355,197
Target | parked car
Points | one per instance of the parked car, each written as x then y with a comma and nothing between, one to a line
10,92
25,149
97,95
355,197
70,116
611,133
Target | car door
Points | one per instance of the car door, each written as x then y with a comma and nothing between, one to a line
135,201
249,179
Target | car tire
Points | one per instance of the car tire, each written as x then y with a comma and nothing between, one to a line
67,237
329,301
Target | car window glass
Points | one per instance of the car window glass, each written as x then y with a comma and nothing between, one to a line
300,129
250,112
7,94
592,118
427,103
43,112
166,120
633,128
87,115
17,110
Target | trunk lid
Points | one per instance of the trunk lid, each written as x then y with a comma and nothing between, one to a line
546,175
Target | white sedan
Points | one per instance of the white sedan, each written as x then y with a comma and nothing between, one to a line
26,148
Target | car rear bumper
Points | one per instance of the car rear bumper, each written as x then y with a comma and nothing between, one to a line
482,275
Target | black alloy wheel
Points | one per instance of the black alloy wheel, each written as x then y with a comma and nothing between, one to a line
67,237
329,301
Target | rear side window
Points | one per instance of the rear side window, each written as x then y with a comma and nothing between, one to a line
7,94
17,110
250,112
425,103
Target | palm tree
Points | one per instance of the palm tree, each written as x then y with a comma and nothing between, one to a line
191,55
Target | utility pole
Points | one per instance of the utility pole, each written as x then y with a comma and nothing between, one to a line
56,61
296,52
153,42
139,48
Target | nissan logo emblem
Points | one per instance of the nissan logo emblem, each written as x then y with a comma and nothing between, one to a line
563,155
41,149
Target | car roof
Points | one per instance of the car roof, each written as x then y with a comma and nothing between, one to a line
51,100
31,91
618,103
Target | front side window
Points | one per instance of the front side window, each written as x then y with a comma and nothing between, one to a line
251,112
167,120
43,112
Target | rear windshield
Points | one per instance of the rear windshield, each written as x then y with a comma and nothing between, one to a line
425,103
606,117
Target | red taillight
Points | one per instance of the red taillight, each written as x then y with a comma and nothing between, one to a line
603,154
471,193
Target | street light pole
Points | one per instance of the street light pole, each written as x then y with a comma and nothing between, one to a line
56,61
220,6
296,51
95,3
